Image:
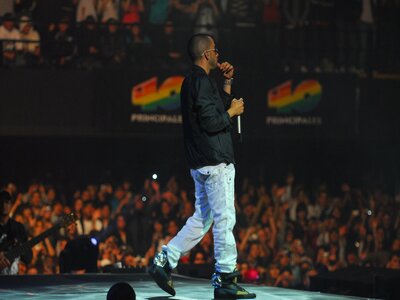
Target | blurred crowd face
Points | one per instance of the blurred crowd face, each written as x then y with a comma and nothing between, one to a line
157,227
396,245
297,247
27,213
394,262
188,209
262,235
352,259
289,236
172,228
58,209
333,236
36,199
26,28
244,200
336,213
112,28
8,24
249,210
130,261
90,26
86,196
301,214
273,271
135,30
284,260
78,205
121,224
51,195
5,207
39,227
199,258
63,27
322,199
165,208
387,221
139,204
46,213
254,250
67,210
207,240
119,193
88,210
105,212
287,278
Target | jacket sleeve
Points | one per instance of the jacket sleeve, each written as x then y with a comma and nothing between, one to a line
23,237
209,117
226,98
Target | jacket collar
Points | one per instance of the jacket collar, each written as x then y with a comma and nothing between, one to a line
198,69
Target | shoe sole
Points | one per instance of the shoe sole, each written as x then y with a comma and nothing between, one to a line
161,280
235,296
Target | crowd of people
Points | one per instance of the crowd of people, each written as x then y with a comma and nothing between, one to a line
285,233
287,35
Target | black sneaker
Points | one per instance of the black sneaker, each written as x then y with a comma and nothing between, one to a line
226,287
161,273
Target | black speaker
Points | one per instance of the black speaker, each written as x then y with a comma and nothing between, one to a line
80,254
359,281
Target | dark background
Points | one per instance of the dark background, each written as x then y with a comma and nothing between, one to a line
74,126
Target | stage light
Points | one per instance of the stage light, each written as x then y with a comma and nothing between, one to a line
93,241
144,198
369,212
154,176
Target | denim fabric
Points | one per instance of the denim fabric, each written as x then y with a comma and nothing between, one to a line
214,190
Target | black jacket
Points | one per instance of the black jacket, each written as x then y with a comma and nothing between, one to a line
206,123
14,232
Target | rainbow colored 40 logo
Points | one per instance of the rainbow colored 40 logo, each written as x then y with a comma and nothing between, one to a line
303,98
150,97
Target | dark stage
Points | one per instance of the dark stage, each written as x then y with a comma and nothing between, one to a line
95,286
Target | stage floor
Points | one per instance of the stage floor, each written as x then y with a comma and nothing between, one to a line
95,286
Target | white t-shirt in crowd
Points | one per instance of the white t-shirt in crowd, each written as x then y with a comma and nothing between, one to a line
85,9
10,35
366,13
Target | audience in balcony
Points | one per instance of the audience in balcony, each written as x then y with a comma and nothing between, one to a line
112,45
316,36
30,54
10,41
88,42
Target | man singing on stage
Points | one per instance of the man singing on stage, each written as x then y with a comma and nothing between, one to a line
207,121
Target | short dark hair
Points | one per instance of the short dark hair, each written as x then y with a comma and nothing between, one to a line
197,44
121,290
5,196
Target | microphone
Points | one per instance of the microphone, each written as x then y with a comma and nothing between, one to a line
239,128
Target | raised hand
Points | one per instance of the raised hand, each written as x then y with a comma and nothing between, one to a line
227,69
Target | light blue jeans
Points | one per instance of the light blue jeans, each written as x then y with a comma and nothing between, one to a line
214,191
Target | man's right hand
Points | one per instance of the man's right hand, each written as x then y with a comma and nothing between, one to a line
237,107
4,263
